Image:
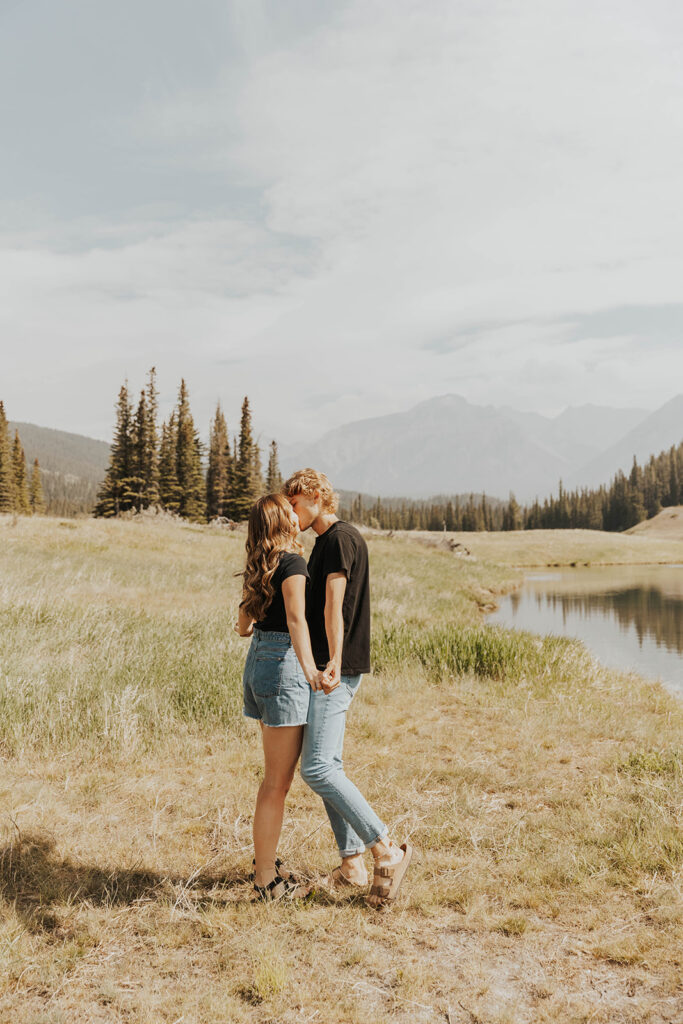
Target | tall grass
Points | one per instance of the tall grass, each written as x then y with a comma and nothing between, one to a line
447,651
113,675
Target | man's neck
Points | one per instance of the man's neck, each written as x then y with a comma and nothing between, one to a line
324,522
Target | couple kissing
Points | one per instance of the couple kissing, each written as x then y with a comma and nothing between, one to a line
310,646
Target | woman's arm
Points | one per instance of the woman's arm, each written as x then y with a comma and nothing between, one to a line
245,624
294,595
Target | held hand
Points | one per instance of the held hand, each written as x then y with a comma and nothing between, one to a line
331,677
315,680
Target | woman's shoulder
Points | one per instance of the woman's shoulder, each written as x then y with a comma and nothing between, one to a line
291,564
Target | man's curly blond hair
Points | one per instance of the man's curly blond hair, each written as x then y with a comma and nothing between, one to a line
308,481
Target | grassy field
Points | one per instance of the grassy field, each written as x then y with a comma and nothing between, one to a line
542,792
528,548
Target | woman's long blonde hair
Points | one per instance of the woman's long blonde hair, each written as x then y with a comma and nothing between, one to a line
270,532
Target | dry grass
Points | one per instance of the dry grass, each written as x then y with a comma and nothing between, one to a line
668,524
565,547
542,792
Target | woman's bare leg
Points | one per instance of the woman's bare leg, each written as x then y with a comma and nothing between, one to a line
281,749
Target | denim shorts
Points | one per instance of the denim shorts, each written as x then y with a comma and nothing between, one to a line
275,688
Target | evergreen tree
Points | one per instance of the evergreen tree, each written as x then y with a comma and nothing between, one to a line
6,466
37,499
22,503
512,516
145,462
274,476
218,474
246,483
192,488
136,481
169,491
115,494
674,494
149,454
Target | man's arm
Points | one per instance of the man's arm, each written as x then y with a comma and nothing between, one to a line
335,588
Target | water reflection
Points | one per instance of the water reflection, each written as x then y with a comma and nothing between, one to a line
631,616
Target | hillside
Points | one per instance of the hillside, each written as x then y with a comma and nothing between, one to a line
668,525
61,452
447,444
73,466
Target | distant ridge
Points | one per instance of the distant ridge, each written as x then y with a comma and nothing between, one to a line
655,434
448,445
73,466
59,451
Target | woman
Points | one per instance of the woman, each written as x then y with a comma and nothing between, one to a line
278,675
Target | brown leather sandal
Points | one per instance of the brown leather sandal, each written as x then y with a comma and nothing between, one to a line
387,880
337,880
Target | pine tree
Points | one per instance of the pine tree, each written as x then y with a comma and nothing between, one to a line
6,466
169,491
512,516
37,500
144,481
218,473
246,484
22,503
149,454
192,488
674,483
136,481
274,476
257,480
115,495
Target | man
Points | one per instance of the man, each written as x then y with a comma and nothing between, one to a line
338,615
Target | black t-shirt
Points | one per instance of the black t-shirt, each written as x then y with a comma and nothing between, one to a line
341,549
275,619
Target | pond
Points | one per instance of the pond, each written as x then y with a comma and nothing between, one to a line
630,616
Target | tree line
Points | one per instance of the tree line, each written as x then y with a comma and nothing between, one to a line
627,500
152,467
20,493
458,513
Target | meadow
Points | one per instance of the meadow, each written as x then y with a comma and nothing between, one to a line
542,792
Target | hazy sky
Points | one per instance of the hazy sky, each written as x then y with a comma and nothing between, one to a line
339,208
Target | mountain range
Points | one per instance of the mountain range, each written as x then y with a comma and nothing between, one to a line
445,445
448,445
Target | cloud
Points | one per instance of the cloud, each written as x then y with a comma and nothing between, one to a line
345,208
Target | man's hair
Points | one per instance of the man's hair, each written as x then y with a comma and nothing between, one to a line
308,481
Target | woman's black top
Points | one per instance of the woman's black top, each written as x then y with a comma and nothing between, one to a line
275,619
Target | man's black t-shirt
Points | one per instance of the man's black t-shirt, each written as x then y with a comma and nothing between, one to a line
275,619
341,549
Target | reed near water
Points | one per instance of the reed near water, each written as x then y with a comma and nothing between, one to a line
542,791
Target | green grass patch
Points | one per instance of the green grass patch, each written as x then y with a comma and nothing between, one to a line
653,763
488,651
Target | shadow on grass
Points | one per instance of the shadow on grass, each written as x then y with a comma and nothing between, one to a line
37,880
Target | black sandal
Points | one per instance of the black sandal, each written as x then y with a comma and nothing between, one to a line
280,889
284,872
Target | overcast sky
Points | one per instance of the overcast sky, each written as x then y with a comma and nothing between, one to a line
339,208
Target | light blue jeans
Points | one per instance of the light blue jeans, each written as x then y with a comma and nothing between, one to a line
354,823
